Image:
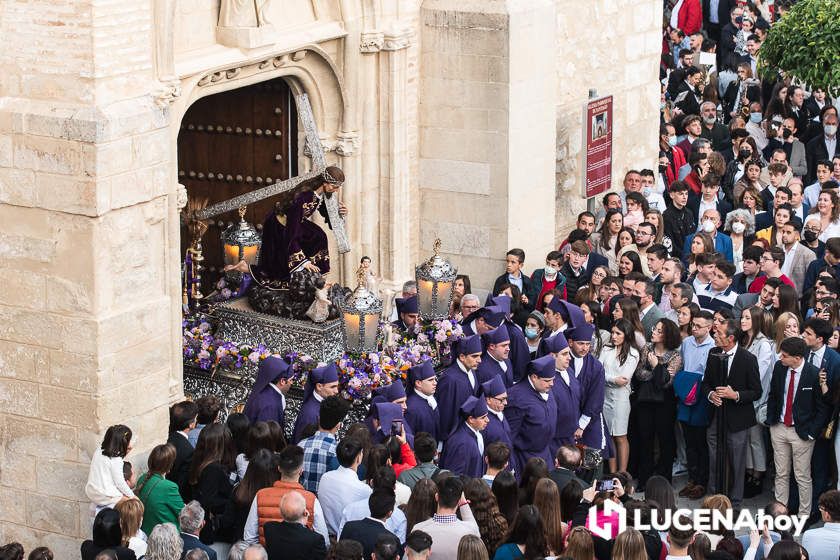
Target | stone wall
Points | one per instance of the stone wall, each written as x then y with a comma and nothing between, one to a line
88,329
612,46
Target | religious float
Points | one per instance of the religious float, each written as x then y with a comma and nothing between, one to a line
272,299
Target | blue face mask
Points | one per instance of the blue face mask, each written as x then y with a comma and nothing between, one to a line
672,140
531,332
755,117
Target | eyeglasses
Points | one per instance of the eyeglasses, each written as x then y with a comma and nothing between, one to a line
502,400
765,258
699,326
599,274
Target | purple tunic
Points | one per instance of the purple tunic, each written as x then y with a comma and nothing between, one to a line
309,413
499,430
266,405
453,389
532,423
420,416
592,384
568,410
490,368
288,242
461,455
520,354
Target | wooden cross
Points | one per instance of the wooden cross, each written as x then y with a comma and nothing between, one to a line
316,153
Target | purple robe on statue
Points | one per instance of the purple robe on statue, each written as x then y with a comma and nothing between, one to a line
452,390
490,368
421,417
532,422
309,413
592,384
568,397
461,454
289,239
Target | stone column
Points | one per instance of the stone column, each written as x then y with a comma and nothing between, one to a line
487,131
88,263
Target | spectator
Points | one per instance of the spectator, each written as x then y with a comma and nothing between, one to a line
11,551
367,531
106,483
444,527
471,548
209,407
289,538
164,543
491,523
380,479
191,521
161,499
387,548
319,450
106,535
211,475
418,546
422,504
131,516
182,420
342,486
40,553
823,543
579,545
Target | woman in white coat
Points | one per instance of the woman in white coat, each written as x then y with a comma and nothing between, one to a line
620,360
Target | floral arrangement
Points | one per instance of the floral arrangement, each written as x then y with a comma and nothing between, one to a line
359,374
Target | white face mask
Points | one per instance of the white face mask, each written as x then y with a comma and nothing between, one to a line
738,227
550,270
830,129
708,226
672,140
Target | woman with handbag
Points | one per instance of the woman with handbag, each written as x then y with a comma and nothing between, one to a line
655,403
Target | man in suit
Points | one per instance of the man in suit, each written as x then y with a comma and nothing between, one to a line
710,223
566,461
290,539
797,255
764,298
688,95
731,384
796,413
367,531
644,292
182,418
191,520
714,19
823,146
831,259
708,200
514,261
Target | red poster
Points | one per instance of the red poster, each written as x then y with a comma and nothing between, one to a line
597,131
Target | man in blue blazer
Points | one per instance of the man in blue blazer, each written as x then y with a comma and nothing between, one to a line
710,223
191,520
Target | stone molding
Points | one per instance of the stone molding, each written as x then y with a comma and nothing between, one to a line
397,38
372,42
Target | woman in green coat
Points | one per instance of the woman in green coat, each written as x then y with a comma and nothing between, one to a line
160,497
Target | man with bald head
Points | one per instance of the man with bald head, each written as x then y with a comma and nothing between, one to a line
709,223
290,539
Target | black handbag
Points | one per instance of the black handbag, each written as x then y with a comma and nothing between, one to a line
650,391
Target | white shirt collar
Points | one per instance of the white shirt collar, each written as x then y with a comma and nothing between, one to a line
428,398
279,392
499,415
317,397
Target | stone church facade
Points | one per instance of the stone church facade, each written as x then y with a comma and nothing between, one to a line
458,119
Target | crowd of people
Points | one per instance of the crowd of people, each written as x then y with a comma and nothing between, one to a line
689,326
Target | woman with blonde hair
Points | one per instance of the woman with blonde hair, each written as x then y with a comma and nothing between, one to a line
547,502
131,516
720,503
470,547
629,545
786,326
580,546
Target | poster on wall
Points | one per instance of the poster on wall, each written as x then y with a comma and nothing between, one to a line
597,138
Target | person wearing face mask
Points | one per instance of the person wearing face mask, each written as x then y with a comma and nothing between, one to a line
709,223
824,146
671,158
534,327
549,277
811,235
740,225
754,125
797,255
794,149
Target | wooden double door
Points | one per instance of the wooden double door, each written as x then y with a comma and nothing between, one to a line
231,143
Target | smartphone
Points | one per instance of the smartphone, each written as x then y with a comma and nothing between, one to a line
396,427
605,486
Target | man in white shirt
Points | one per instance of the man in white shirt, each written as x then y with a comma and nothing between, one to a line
342,486
383,478
678,541
823,543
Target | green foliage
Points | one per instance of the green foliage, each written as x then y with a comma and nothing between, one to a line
805,44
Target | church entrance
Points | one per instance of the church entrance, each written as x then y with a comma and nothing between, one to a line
229,144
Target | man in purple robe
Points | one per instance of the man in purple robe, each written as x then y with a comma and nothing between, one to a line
483,320
458,382
591,429
494,360
267,400
387,420
322,383
395,394
520,354
560,315
532,412
463,452
566,392
498,428
422,413
408,311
